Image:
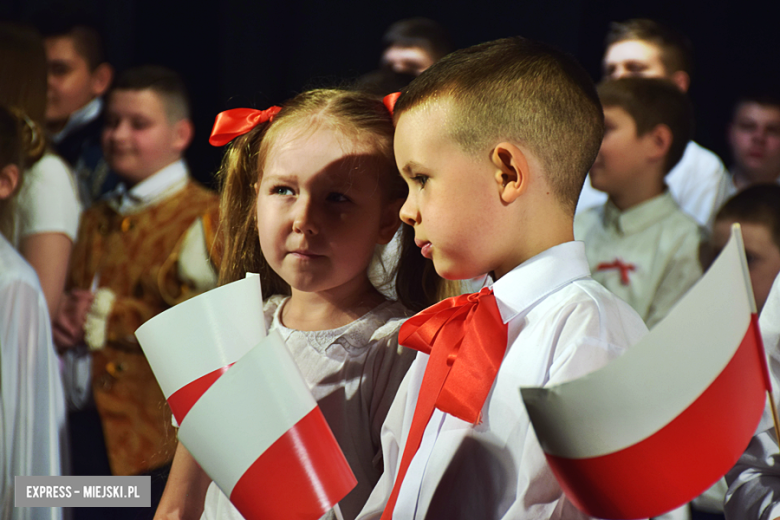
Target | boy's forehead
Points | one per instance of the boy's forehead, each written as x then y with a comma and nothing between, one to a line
144,100
62,47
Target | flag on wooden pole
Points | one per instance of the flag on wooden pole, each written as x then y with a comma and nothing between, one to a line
663,422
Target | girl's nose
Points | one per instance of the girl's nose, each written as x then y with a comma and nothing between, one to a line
408,213
304,220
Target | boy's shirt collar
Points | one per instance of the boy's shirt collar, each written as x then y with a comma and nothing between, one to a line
79,118
160,185
538,277
639,217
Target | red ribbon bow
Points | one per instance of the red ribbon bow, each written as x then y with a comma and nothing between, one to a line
389,101
232,123
466,339
624,268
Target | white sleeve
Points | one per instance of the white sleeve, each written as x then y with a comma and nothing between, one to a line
31,400
754,481
48,201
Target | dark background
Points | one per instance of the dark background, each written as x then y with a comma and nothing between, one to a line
257,53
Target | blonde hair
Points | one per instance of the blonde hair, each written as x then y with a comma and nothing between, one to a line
359,117
21,144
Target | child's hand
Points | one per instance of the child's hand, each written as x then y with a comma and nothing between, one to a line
68,324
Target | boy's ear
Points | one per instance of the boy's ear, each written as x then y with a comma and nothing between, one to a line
390,221
184,131
660,140
101,79
512,171
681,79
9,180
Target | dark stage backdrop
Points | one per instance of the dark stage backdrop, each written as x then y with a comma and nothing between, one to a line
256,53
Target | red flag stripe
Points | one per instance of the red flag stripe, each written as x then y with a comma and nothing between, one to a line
287,480
183,399
666,469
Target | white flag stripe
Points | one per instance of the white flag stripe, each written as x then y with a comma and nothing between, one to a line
245,411
203,333
588,418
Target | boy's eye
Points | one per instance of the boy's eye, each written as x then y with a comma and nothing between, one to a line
140,124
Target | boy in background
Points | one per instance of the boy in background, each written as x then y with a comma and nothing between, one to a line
757,211
646,48
78,77
640,244
139,252
494,142
754,137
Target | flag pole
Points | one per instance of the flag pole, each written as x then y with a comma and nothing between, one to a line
774,414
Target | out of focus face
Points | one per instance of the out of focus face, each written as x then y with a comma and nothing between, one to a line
754,136
630,58
138,139
763,255
619,161
407,60
71,82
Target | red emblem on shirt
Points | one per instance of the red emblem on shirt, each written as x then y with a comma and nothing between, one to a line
618,264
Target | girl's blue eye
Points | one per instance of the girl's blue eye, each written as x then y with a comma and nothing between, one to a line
282,190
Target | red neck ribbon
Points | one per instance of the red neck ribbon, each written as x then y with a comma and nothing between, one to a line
466,340
618,264
231,123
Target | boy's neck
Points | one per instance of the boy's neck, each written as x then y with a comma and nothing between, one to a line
331,309
640,192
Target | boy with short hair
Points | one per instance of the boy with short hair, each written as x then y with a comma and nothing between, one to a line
145,248
640,245
754,138
757,210
78,77
647,48
494,142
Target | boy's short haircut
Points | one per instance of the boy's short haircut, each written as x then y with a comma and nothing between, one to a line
65,21
419,32
764,97
758,204
676,49
522,91
651,102
165,82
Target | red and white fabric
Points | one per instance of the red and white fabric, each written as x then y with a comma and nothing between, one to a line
659,425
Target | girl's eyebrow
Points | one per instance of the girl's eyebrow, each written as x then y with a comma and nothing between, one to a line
411,165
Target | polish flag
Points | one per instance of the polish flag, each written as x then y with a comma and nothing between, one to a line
663,422
192,344
261,437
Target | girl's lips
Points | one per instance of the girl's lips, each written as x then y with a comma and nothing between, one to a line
425,249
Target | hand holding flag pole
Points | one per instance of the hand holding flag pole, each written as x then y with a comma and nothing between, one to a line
660,424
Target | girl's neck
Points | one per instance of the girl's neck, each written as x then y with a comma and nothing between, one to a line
325,310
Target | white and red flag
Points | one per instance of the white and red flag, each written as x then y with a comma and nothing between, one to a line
192,344
663,422
259,434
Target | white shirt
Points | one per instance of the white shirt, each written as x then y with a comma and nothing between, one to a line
81,117
561,325
32,406
48,201
696,183
161,185
657,239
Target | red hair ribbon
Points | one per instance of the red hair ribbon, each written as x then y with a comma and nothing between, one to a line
389,101
466,339
232,123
